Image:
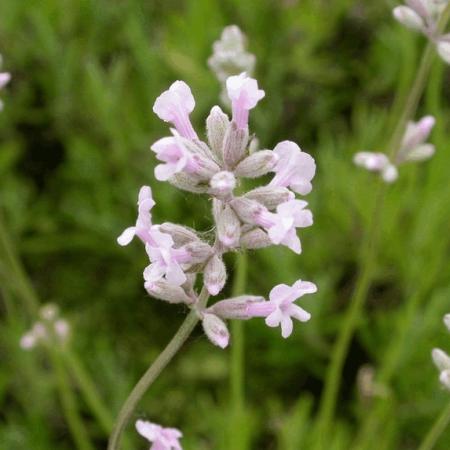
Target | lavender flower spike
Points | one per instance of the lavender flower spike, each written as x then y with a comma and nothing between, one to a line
144,220
161,438
175,105
244,95
280,308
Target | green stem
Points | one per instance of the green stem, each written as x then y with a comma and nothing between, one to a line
436,430
237,356
69,405
153,372
88,390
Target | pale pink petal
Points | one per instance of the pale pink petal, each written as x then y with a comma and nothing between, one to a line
292,241
154,272
175,274
298,313
286,326
148,430
279,293
127,236
274,319
304,287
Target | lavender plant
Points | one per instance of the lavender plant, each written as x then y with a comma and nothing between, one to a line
264,216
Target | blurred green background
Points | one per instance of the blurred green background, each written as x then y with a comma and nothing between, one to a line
74,150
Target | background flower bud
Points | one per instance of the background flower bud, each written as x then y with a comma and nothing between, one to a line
199,251
257,164
188,182
168,292
217,125
447,321
441,359
216,330
270,196
215,275
443,48
408,17
222,184
181,235
444,378
255,239
228,227
235,145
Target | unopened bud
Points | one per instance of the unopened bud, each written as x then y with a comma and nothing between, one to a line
389,173
222,184
199,251
257,164
217,125
215,275
444,378
235,145
206,167
408,17
443,48
234,308
255,239
441,359
228,227
270,196
248,210
163,290
254,145
447,321
216,330
187,182
181,235
420,153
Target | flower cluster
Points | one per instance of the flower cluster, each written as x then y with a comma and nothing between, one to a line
442,360
162,438
4,80
264,216
413,148
424,16
50,329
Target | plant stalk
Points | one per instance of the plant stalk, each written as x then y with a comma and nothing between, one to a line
436,430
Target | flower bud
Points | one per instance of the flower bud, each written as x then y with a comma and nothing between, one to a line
253,147
235,145
199,251
443,48
216,330
234,308
248,210
215,275
441,359
228,227
217,125
447,321
206,167
257,164
62,329
444,378
163,290
222,184
255,239
389,173
188,182
270,196
181,235
408,17
420,153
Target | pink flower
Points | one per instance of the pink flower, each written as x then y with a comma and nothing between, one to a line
162,438
280,309
143,225
281,226
5,77
165,260
174,106
176,157
294,169
244,95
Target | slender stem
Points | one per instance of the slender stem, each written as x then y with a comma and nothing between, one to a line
69,405
87,387
237,356
153,372
436,430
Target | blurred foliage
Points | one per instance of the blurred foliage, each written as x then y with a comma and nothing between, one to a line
74,141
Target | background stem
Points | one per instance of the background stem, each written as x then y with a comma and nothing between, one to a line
436,430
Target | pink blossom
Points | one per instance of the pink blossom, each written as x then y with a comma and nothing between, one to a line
280,309
244,95
176,157
174,106
281,226
143,225
165,260
161,438
372,161
294,169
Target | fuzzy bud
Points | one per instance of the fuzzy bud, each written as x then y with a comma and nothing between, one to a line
168,292
235,145
444,378
222,184
217,125
255,239
216,330
248,210
257,164
441,359
234,308
199,251
443,48
270,196
181,235
408,17
228,227
447,321
186,182
215,275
